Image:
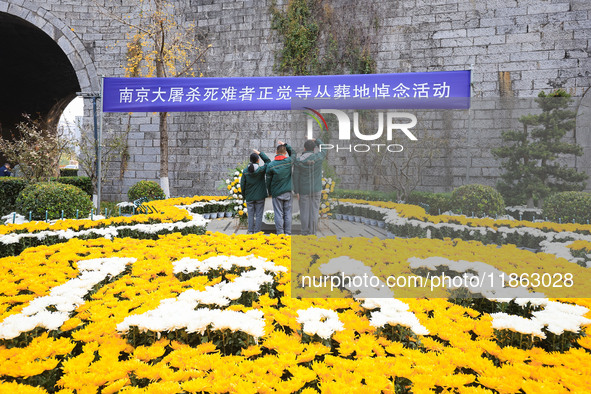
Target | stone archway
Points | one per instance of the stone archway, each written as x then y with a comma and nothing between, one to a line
43,65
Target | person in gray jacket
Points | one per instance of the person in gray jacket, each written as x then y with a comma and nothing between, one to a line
307,183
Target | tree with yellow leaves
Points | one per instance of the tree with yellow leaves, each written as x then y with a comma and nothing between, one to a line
160,44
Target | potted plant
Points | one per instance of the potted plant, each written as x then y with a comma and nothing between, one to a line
220,210
357,214
366,216
269,217
229,210
351,214
337,213
347,213
374,218
205,211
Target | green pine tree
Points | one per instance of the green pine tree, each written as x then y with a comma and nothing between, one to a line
532,171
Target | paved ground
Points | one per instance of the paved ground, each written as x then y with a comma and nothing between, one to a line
326,227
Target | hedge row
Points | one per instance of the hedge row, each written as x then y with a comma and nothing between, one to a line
434,203
52,200
568,207
479,200
368,195
68,172
11,187
82,182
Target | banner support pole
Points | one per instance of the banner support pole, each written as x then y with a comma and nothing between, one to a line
469,139
99,145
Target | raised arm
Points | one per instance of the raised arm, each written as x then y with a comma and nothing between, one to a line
263,156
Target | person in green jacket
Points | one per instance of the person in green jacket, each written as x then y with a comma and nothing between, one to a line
254,190
307,184
279,187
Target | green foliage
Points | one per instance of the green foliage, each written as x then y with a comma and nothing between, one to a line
10,188
146,189
82,182
300,33
113,209
368,195
436,202
532,170
568,206
479,200
317,40
68,172
53,197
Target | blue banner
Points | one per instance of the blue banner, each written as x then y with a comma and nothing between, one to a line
445,89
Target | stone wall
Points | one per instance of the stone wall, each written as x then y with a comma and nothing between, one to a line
514,48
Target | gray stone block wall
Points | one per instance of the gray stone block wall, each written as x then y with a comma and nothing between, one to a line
515,49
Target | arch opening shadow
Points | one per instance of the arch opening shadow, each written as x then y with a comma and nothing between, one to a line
36,76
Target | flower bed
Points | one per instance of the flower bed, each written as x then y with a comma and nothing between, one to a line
217,313
580,250
173,215
407,221
414,212
125,329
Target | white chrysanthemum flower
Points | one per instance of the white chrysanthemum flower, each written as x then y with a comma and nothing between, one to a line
319,321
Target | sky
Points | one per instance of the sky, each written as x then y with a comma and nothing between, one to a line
75,108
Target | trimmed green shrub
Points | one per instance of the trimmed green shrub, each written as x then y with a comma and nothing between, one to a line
437,202
146,189
568,206
53,197
68,172
10,188
476,199
82,182
367,195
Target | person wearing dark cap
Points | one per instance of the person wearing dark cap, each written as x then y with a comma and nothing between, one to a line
279,186
254,190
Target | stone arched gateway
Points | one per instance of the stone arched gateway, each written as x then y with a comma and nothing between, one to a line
43,64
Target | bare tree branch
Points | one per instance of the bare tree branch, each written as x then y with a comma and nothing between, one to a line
116,17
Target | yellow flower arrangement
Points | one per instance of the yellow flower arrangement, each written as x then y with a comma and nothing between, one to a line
461,353
415,212
167,212
580,245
